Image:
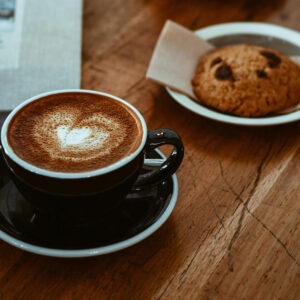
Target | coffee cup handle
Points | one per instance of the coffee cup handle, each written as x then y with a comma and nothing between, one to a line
155,139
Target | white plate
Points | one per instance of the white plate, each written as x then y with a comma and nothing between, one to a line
268,35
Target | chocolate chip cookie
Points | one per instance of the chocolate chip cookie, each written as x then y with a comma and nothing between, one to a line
247,80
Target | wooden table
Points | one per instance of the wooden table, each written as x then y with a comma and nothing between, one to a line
235,231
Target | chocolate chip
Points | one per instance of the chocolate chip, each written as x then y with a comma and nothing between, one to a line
216,61
224,72
261,74
273,59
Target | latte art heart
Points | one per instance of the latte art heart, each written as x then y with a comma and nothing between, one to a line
69,137
74,132
75,138
81,138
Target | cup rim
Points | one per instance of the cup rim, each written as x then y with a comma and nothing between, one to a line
76,175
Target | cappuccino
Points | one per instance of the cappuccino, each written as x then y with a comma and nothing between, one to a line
74,132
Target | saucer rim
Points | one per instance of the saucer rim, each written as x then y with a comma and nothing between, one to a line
102,250
257,28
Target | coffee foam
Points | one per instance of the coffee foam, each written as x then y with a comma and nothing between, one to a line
74,133
77,139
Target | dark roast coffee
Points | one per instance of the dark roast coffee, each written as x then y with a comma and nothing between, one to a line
74,132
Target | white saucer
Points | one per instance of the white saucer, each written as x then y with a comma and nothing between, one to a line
268,35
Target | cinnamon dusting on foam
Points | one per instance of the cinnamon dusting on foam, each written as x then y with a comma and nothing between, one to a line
74,132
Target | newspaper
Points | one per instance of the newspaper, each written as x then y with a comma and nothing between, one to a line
40,48
10,33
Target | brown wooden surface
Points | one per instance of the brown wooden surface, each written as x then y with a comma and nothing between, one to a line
235,232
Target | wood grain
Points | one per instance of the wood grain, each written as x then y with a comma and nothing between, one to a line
235,232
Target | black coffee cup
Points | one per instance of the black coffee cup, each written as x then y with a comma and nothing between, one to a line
80,198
